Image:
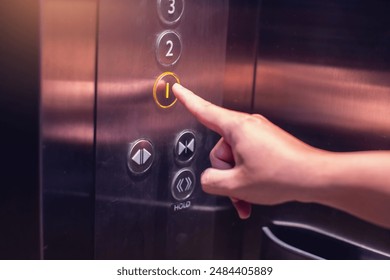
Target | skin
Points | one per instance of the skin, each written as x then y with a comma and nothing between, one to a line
256,162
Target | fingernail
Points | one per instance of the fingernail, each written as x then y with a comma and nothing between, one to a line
177,85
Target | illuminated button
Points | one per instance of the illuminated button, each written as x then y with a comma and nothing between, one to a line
168,48
170,11
183,184
185,146
162,90
140,156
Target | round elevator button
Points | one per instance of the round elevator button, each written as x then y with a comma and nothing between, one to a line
168,48
183,184
185,147
140,156
170,11
162,90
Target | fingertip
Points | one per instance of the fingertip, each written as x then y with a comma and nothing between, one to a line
244,215
209,180
243,208
204,178
218,182
177,86
180,91
183,95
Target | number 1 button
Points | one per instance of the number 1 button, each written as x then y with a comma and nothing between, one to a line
168,49
162,90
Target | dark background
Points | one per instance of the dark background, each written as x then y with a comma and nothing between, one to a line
19,118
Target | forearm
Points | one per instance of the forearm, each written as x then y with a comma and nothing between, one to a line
358,183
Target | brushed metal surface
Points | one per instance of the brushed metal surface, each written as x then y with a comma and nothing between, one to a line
241,54
134,216
68,44
323,74
325,65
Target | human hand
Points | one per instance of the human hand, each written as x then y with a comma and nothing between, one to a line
255,161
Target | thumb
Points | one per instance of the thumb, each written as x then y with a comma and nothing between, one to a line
219,182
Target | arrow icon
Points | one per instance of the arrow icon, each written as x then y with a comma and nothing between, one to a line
187,146
189,183
179,187
141,156
187,187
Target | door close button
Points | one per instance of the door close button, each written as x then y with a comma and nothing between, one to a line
185,147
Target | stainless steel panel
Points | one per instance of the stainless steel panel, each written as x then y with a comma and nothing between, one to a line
68,44
135,215
241,51
323,74
326,65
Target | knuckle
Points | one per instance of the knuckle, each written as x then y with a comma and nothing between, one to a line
205,181
207,106
204,177
212,157
251,119
251,122
259,118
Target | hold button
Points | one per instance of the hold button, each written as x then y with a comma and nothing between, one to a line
183,185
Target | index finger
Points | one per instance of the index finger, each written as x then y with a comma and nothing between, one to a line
212,116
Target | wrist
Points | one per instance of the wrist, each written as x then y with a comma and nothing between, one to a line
318,177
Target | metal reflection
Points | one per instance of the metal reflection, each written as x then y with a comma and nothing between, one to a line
68,45
349,99
323,71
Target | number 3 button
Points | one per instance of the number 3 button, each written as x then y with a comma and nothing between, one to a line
170,11
168,48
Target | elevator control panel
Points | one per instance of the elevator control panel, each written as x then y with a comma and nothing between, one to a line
150,151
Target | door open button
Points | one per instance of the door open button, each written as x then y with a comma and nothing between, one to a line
162,90
140,157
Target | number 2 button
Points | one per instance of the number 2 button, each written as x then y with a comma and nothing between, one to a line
168,49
